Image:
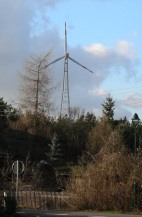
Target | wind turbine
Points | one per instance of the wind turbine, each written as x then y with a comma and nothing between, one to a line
65,102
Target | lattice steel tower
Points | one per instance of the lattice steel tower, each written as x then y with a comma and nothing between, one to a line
65,101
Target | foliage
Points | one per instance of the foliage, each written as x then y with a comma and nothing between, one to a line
3,109
55,153
73,135
108,108
30,136
44,177
98,136
100,151
7,112
103,185
6,175
105,179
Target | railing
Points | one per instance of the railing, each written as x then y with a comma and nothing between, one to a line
44,200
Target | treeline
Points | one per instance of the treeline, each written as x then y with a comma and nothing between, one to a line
37,135
104,154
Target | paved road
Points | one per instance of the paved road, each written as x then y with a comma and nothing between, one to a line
47,213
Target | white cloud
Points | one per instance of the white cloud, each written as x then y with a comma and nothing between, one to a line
122,56
133,100
126,49
16,43
97,50
98,91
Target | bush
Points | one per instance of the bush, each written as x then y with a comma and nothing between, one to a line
105,185
105,181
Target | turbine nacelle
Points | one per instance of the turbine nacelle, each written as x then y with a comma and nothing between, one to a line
66,55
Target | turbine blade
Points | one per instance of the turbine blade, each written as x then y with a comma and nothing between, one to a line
56,60
80,64
65,40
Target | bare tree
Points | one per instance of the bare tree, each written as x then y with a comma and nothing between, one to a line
35,88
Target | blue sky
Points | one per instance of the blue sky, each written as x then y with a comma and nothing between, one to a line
104,35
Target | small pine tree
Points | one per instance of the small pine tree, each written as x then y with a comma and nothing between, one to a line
108,108
7,112
55,153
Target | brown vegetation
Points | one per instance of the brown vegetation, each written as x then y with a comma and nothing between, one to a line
106,182
103,179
